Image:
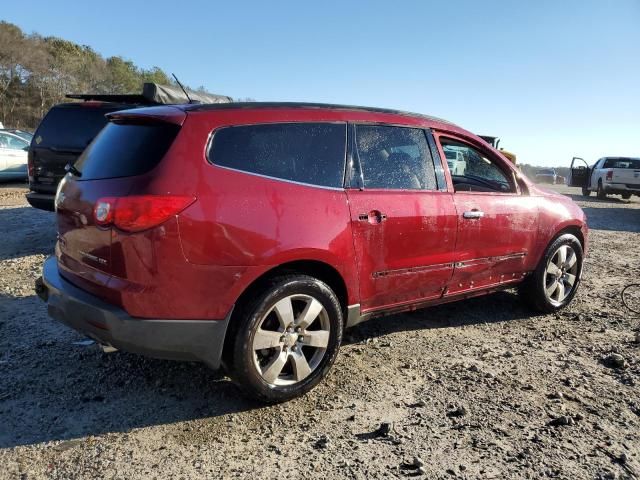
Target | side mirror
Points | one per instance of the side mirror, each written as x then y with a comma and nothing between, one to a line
26,149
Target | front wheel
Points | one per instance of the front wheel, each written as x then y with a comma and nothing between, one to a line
555,281
585,192
286,339
626,196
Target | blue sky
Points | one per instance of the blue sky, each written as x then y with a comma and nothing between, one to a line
553,79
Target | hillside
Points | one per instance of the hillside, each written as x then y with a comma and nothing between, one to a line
36,72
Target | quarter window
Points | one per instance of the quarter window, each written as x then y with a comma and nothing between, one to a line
395,158
312,153
471,170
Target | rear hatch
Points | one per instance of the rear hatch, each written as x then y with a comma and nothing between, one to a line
115,164
61,137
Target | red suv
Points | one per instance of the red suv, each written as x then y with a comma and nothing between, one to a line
250,235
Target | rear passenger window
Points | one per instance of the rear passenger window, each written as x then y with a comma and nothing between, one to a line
312,153
395,158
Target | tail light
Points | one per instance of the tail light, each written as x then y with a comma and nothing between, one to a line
138,213
30,168
609,175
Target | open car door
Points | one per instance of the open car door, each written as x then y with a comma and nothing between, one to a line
580,174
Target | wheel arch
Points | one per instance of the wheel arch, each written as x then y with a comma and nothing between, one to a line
314,268
549,235
575,230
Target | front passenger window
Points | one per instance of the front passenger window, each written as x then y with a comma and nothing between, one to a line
472,171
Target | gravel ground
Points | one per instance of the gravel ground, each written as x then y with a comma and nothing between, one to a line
478,389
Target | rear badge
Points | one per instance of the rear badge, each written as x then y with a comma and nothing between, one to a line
38,140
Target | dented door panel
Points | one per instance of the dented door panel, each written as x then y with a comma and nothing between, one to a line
497,247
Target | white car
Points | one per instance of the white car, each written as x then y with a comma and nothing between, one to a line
455,161
13,156
609,175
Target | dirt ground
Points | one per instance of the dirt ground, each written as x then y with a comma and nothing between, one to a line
478,389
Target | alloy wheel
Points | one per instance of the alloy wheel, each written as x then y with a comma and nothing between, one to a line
561,274
291,340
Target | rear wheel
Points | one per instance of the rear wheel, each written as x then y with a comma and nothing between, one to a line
555,281
286,339
585,192
626,196
602,195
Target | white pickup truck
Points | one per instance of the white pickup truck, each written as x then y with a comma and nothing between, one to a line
615,175
455,161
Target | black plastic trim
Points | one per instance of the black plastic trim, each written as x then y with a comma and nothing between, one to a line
199,340
437,161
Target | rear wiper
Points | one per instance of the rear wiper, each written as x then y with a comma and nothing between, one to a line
69,168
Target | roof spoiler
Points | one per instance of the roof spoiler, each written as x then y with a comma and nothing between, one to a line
154,94
148,116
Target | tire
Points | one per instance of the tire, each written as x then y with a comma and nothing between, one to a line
538,290
600,193
626,196
586,192
296,355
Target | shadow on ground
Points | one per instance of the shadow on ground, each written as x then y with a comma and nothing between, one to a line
26,231
499,307
52,389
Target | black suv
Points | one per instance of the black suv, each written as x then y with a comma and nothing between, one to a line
59,140
68,128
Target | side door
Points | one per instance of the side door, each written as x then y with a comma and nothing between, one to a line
16,155
580,173
4,152
403,219
497,221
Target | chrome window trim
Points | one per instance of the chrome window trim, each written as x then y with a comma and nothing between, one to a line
337,189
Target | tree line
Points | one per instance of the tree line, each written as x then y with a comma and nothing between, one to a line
37,72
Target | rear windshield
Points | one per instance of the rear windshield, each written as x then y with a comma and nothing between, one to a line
622,163
125,150
71,128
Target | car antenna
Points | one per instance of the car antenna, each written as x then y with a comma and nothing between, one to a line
182,87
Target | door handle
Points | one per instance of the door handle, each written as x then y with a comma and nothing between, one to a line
373,217
473,214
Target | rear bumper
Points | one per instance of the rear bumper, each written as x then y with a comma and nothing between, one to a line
200,340
622,188
42,201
